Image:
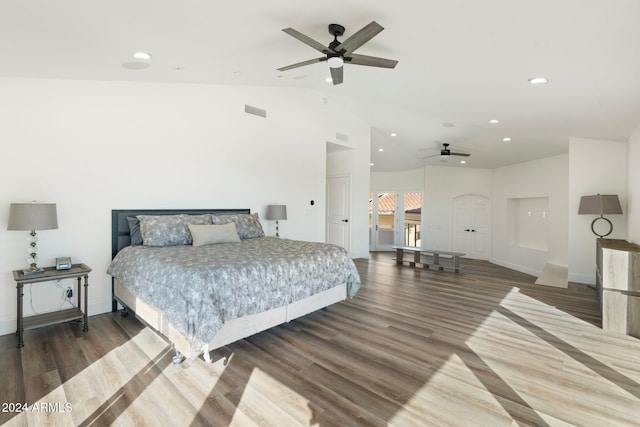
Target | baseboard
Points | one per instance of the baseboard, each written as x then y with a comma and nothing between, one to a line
586,279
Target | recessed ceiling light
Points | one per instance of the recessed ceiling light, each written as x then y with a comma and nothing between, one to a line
394,134
142,55
371,164
381,149
464,162
494,121
506,139
328,80
538,80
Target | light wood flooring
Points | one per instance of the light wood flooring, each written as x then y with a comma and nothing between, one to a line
485,347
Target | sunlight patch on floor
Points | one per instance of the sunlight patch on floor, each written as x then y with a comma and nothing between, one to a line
441,396
292,408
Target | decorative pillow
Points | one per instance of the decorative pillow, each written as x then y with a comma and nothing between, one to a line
134,231
248,225
213,234
169,230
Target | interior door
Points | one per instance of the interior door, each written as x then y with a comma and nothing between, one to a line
338,211
472,226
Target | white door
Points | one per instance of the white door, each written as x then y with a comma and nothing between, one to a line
338,211
472,226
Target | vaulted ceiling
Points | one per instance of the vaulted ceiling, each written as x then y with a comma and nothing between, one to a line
461,63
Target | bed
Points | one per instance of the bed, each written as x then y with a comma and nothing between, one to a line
205,278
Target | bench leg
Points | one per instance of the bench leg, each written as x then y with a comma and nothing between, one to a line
456,264
436,260
399,256
416,259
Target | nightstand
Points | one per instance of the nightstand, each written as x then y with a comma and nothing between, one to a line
77,271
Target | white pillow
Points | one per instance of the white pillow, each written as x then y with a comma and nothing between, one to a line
212,234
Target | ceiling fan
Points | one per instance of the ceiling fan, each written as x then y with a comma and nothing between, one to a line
445,153
337,53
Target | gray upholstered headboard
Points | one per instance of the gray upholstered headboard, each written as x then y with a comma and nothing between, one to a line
120,226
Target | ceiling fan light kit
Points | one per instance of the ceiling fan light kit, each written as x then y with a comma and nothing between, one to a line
338,53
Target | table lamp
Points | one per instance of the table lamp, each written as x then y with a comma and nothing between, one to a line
32,216
600,204
276,212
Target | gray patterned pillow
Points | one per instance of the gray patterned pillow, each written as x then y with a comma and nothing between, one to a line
169,230
248,225
134,230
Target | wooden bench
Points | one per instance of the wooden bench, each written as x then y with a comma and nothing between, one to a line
417,257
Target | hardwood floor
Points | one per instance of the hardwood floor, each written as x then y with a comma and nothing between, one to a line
485,347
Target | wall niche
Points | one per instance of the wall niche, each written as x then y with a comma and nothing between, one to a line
528,222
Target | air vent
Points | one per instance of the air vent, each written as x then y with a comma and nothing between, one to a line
342,137
255,111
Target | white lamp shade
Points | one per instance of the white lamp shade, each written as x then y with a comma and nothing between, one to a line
335,62
276,212
32,216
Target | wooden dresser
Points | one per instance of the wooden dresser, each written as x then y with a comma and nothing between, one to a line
618,283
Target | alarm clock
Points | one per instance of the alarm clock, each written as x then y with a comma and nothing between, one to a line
63,263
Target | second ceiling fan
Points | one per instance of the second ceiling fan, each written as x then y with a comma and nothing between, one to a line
338,53
445,153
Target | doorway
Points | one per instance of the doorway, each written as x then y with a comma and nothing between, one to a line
472,226
339,211
395,219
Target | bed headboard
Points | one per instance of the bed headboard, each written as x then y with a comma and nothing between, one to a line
120,226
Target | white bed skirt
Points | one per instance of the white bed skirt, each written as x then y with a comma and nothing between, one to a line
232,330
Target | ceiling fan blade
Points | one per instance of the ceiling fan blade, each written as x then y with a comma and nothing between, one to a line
365,34
302,64
372,61
307,40
336,75
460,154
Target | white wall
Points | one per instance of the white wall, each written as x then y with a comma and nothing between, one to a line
441,186
405,181
94,146
595,166
633,188
544,178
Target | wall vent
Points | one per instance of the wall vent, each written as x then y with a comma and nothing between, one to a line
342,137
255,111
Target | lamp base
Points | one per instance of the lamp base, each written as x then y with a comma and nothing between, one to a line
602,236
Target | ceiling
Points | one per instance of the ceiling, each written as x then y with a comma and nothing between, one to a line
461,63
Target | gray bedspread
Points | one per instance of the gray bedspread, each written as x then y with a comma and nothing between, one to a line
199,288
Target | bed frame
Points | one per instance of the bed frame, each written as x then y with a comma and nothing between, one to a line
231,331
